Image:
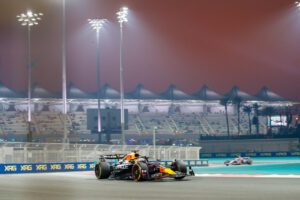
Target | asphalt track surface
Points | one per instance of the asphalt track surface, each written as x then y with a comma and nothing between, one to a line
84,185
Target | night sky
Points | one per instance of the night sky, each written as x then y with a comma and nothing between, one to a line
220,43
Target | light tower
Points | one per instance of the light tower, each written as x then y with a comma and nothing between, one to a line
29,19
122,17
64,72
97,24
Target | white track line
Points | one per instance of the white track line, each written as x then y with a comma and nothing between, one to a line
250,175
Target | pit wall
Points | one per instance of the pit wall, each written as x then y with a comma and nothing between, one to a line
249,154
69,167
250,145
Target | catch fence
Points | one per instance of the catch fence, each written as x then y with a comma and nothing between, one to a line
18,152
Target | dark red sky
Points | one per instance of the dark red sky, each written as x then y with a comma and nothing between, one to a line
248,43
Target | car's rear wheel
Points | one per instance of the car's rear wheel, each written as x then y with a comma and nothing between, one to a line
180,166
102,170
140,171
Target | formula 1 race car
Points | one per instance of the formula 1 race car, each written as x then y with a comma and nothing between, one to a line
138,168
239,161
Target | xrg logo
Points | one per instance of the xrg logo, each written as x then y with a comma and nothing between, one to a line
10,168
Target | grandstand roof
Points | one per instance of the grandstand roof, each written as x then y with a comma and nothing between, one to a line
207,94
172,93
75,93
108,92
40,92
267,95
236,92
140,92
5,92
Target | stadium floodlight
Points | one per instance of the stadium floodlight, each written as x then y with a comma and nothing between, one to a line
97,24
29,19
297,4
122,17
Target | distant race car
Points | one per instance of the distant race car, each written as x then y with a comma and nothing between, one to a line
239,161
138,168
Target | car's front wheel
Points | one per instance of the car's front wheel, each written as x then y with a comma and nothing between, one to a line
227,162
140,171
180,166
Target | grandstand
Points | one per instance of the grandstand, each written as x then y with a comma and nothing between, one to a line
172,112
13,123
46,122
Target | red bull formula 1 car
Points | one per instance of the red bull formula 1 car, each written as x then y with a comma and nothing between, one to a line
138,168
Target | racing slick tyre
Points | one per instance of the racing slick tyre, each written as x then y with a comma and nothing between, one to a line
227,162
140,171
179,166
102,170
249,162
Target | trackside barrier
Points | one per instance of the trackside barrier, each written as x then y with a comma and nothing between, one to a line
250,154
69,167
22,152
45,167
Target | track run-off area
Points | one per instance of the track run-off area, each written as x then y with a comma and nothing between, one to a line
279,167
278,179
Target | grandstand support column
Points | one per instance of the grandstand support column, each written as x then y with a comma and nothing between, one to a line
29,135
122,17
107,136
65,140
99,138
154,142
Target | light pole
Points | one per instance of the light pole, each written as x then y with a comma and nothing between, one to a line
122,17
64,72
97,24
29,19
